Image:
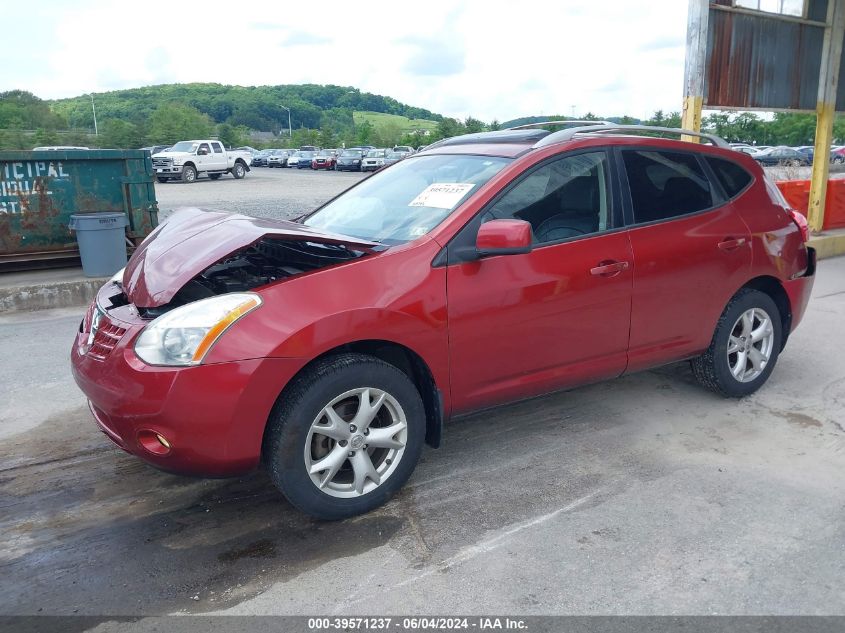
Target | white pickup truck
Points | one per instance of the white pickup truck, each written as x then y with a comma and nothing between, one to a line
188,159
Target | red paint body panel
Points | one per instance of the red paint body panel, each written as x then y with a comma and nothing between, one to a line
521,325
492,330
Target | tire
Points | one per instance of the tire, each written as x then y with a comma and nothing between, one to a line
189,174
160,179
238,171
713,369
293,442
214,176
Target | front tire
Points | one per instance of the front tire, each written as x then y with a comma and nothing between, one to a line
745,346
189,174
345,436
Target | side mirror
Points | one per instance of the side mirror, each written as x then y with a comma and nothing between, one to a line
503,237
202,151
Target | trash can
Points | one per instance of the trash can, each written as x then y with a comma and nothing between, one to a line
102,242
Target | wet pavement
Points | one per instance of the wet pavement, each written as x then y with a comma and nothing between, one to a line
641,495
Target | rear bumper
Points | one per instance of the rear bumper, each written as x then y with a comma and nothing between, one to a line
799,289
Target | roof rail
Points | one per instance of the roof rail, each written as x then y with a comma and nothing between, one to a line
568,134
569,122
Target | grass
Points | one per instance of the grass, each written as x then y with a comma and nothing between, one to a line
379,119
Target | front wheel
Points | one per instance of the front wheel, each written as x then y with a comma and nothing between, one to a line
745,346
238,171
189,174
345,436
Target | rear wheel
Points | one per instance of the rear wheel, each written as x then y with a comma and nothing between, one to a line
745,346
189,174
345,436
238,171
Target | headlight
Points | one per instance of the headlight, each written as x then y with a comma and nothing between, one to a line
184,335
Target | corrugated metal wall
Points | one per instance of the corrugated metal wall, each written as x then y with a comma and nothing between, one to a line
760,61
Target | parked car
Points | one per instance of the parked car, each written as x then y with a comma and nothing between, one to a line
785,156
807,151
391,157
350,160
305,158
374,159
404,149
476,273
260,158
293,159
155,149
324,159
751,151
837,155
188,159
278,158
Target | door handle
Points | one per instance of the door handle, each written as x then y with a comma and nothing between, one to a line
731,243
608,268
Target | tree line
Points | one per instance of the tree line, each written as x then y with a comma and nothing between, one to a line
319,115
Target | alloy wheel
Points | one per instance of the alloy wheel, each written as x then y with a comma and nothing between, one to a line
750,344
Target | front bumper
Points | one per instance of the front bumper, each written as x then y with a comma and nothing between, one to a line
212,416
170,170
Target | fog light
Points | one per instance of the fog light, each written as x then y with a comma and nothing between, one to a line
154,442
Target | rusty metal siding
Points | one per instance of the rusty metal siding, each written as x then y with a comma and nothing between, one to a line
758,61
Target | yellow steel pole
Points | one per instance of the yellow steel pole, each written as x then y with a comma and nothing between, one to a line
825,111
697,15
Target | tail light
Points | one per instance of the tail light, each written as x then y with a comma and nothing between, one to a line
801,221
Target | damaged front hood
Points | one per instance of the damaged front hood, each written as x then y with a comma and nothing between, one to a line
192,240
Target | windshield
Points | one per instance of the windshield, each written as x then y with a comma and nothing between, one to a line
375,153
184,146
408,200
352,153
394,155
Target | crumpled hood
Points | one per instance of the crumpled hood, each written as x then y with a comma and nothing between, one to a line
193,239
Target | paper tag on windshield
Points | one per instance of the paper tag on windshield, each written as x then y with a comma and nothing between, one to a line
442,195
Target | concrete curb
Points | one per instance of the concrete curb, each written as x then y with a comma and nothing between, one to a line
829,243
47,295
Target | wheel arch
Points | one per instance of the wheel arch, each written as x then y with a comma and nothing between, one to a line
774,288
408,362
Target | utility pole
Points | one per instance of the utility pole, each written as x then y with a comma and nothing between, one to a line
697,15
290,131
94,110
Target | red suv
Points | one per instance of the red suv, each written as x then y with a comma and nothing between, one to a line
486,269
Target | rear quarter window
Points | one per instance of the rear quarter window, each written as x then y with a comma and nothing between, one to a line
733,178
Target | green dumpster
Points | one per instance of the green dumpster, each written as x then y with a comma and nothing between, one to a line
39,191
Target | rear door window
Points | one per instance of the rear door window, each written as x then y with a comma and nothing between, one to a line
665,184
731,176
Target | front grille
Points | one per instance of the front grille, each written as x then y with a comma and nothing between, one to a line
162,162
105,340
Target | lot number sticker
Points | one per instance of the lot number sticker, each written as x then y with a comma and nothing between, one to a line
442,195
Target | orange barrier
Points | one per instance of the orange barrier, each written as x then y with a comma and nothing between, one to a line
797,194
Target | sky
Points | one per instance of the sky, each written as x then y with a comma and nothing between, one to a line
484,58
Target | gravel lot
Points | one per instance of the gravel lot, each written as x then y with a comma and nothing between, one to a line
642,495
269,193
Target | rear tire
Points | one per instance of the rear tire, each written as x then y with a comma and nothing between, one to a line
745,346
238,171
370,463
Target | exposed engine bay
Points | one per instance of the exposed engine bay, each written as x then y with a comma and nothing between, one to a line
262,263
